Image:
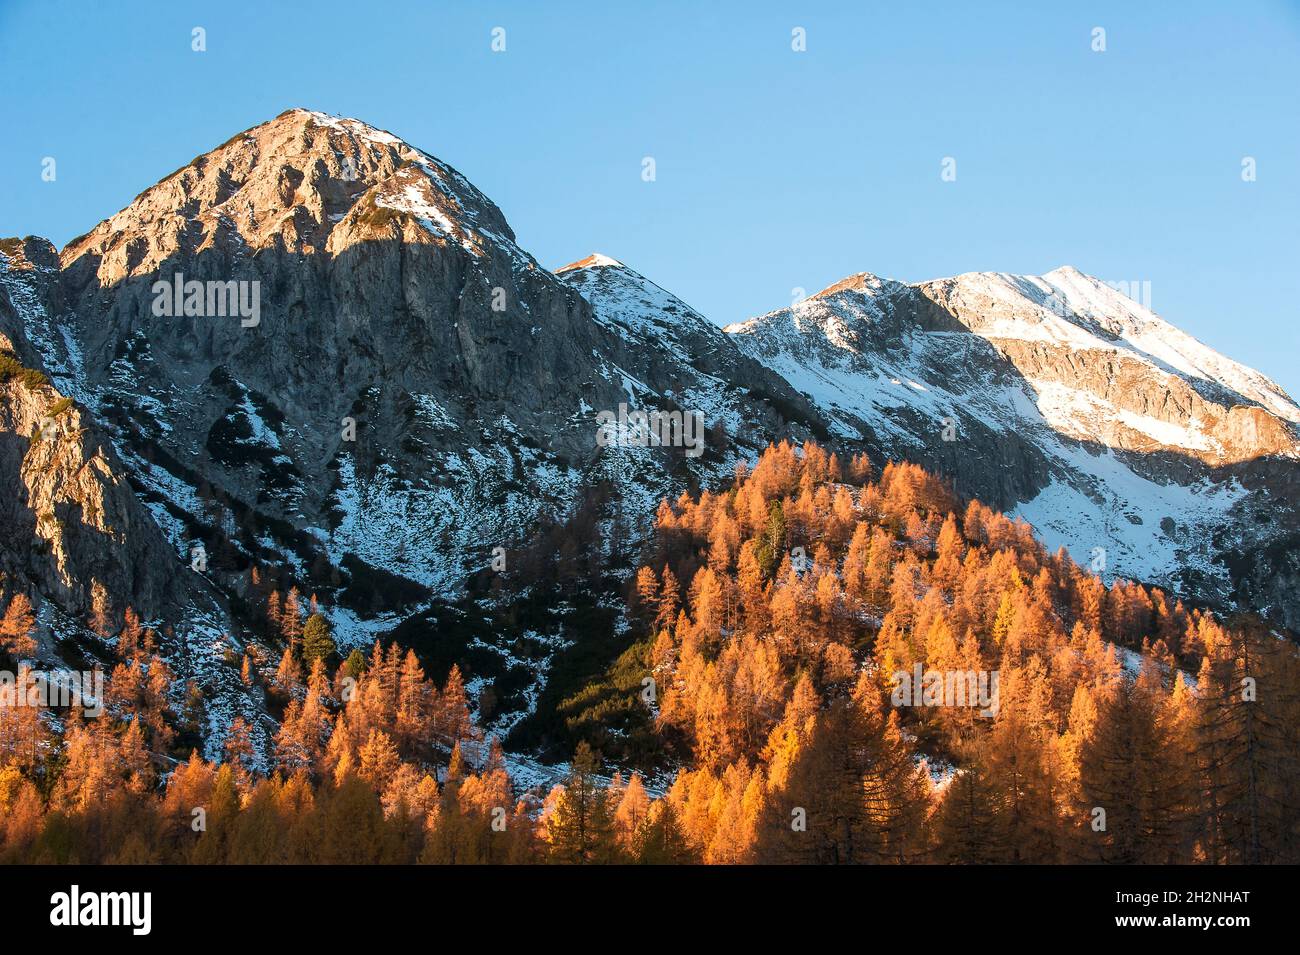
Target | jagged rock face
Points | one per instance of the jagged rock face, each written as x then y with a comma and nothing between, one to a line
1056,398
71,529
303,182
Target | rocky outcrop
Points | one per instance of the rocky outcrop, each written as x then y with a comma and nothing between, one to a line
409,371
77,536
71,528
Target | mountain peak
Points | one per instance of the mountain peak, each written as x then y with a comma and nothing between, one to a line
865,282
305,182
623,299
596,260
1068,271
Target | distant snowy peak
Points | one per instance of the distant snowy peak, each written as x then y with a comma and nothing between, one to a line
594,261
853,321
1068,307
627,302
1098,365
666,353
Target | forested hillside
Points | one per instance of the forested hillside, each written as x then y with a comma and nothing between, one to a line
774,622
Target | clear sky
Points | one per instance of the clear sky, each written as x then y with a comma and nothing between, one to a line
775,169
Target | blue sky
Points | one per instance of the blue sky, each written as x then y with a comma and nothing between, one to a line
775,169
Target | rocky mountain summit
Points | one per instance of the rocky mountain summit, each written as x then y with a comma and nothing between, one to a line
320,349
416,389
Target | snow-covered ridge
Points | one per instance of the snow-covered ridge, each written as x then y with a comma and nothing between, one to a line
1098,365
623,298
1066,306
648,318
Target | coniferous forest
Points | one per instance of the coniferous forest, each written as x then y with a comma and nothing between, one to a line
754,717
